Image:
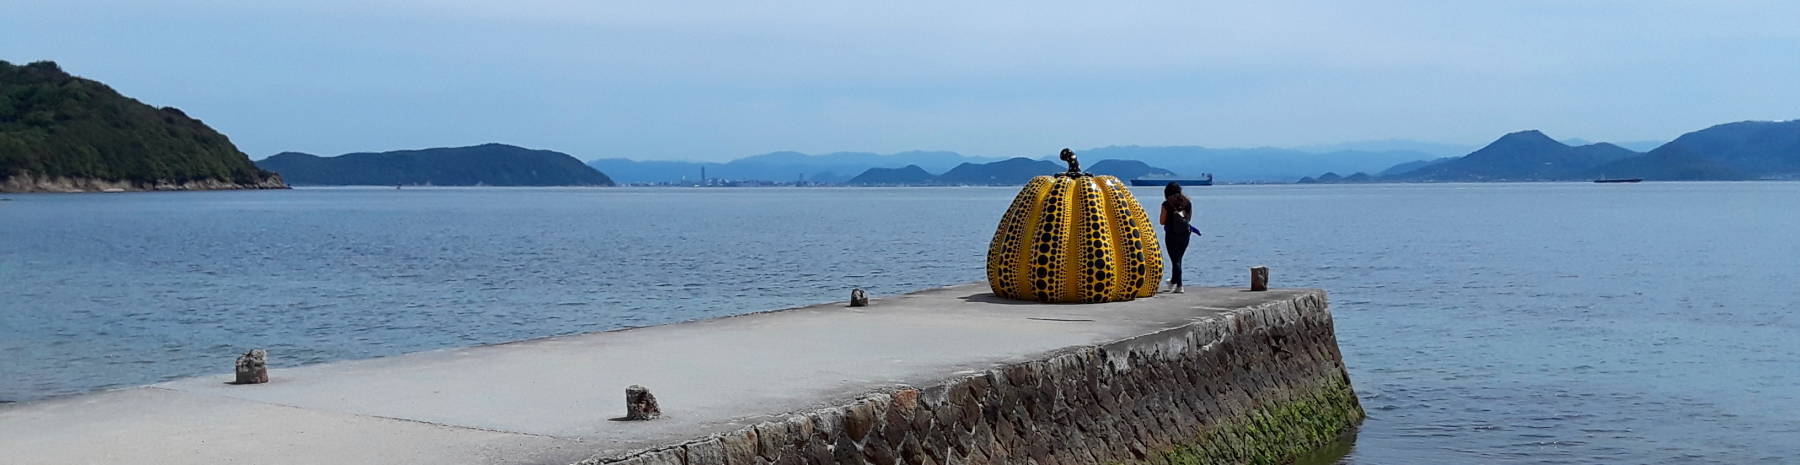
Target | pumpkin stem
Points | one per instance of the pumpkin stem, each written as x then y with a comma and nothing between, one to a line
1074,165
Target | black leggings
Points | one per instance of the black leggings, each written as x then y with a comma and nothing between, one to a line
1178,242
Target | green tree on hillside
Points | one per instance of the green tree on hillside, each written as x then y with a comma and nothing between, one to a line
53,124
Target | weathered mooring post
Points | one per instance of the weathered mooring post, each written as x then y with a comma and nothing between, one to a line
1259,278
640,404
253,367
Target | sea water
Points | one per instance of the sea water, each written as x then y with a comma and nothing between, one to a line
1482,323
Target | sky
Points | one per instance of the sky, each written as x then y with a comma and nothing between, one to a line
704,80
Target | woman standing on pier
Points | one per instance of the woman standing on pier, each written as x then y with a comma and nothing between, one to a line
1177,210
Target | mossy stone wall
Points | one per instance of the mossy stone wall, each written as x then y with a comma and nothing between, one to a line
1264,384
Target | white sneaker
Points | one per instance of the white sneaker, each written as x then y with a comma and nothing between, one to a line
1177,288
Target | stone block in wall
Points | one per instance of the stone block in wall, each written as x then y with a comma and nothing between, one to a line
740,447
859,419
674,456
707,451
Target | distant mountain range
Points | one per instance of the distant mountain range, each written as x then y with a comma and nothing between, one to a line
1434,149
1011,171
1334,178
1008,172
1412,165
61,132
1732,151
835,167
1635,146
1230,164
1521,156
1127,169
1744,150
1741,150
480,165
903,176
1253,164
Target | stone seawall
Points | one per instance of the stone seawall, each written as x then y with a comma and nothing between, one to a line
1262,384
946,376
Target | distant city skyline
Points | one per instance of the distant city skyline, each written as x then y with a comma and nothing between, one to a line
713,81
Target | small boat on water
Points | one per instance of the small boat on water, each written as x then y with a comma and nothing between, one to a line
1206,179
1617,180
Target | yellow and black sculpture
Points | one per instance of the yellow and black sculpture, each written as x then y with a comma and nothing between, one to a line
1074,237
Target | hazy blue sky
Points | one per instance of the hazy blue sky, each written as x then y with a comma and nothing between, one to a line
717,80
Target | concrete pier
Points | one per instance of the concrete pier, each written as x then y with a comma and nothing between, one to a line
941,376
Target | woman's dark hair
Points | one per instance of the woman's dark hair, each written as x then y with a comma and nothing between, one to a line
1172,193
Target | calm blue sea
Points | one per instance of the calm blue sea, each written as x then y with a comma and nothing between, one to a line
1482,323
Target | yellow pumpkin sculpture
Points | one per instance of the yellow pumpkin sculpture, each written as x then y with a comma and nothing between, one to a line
1074,237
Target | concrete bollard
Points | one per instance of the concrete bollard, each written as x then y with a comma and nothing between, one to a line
253,367
1259,278
640,404
858,298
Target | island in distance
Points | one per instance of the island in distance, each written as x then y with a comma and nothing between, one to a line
1743,150
1007,172
62,133
1236,164
480,165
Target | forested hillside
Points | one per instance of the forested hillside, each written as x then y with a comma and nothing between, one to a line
61,132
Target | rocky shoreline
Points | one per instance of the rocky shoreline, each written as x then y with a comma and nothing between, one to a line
30,183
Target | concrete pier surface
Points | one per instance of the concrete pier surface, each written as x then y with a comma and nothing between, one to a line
552,400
